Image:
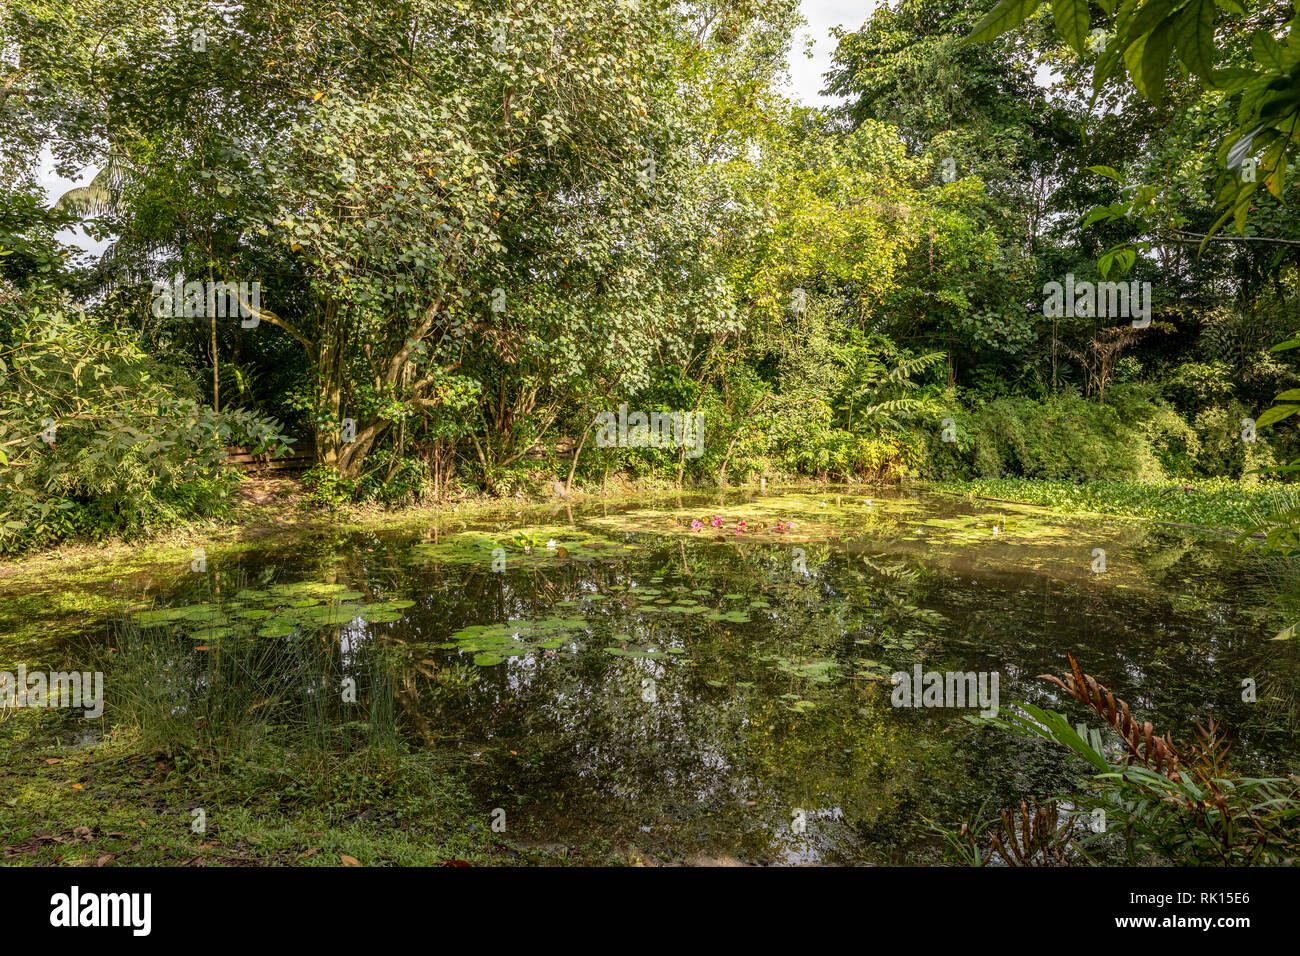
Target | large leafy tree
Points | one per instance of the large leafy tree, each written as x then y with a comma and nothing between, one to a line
456,204
442,199
1249,55
973,110
985,146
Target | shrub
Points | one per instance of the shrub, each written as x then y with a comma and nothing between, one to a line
1180,803
1135,436
391,479
327,490
98,438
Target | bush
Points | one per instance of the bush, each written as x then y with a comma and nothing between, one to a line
1178,803
98,438
1135,436
394,480
1223,452
327,490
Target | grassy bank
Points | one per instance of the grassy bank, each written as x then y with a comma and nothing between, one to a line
122,801
1212,503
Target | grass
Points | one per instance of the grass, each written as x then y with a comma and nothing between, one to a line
121,802
1216,504
281,775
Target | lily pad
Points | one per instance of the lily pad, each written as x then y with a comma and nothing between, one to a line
276,629
332,615
161,616
211,633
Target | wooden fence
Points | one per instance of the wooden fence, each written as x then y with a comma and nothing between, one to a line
245,460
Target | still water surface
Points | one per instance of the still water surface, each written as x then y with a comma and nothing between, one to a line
688,691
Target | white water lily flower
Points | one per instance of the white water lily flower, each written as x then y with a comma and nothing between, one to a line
550,545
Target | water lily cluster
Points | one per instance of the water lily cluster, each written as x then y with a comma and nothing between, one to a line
741,526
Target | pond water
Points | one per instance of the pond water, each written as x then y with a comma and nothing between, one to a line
609,674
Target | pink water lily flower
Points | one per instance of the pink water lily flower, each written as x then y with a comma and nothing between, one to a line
697,524
717,521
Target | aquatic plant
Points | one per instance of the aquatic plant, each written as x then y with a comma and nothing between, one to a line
178,691
1034,836
1181,803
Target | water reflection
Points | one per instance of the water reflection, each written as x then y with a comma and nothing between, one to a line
726,695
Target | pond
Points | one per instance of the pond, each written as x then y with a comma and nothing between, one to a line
655,674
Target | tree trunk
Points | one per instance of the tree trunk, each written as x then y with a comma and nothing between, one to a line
216,366
216,362
573,466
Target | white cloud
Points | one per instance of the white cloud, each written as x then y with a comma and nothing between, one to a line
821,16
55,186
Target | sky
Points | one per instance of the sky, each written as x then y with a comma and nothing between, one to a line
821,16
806,84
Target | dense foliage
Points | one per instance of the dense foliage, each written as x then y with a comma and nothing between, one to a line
477,225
